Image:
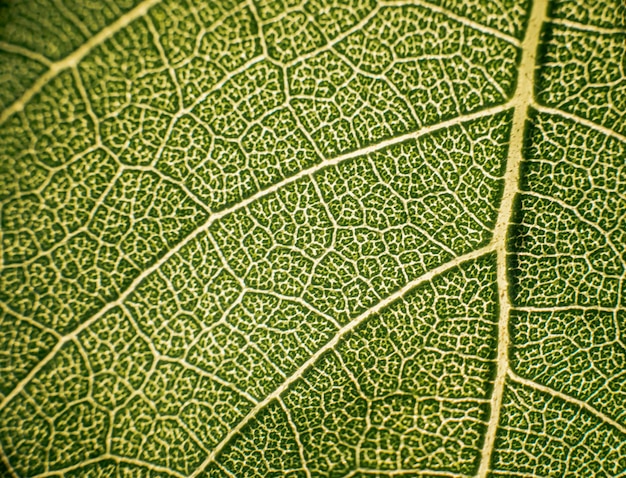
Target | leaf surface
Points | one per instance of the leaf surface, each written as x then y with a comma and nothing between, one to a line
313,238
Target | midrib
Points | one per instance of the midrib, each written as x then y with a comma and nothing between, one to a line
521,101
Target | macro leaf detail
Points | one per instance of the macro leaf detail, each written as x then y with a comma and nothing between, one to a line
312,238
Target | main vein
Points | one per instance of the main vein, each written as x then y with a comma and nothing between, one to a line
521,101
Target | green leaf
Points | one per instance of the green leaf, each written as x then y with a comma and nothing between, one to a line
312,238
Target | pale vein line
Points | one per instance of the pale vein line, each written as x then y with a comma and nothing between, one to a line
296,436
574,211
568,398
296,300
333,343
207,224
227,77
587,28
117,459
457,18
20,50
82,229
5,460
205,374
522,99
509,474
417,472
578,119
76,56
80,86
422,231
342,36
9,311
226,471
69,15
193,197
568,308
383,78
257,18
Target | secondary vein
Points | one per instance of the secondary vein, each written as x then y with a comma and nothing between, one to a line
204,227
333,343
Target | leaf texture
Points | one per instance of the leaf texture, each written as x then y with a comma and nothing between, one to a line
316,238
